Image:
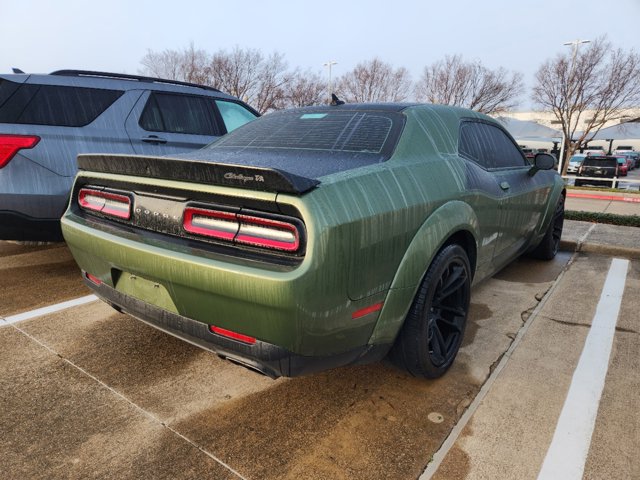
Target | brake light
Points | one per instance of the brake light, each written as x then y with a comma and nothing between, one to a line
107,203
245,229
233,335
211,223
267,233
11,144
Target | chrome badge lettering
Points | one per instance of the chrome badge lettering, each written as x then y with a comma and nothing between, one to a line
243,178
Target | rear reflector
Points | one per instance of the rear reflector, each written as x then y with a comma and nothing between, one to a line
107,203
93,278
252,230
233,335
367,310
11,144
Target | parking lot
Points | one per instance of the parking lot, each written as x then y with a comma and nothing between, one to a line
91,393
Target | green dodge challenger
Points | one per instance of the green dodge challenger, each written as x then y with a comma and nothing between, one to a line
317,237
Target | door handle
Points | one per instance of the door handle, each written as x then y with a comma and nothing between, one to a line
505,185
153,139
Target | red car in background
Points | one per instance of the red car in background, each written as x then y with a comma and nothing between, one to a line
623,165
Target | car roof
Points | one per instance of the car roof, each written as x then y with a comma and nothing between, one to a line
107,80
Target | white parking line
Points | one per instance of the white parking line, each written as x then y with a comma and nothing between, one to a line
569,448
46,310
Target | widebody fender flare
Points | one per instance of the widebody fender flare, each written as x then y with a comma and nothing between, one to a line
443,224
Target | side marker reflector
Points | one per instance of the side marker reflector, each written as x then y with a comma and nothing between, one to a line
367,310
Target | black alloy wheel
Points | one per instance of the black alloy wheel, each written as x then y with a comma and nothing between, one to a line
433,330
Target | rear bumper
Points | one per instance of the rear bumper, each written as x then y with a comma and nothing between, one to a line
16,226
271,360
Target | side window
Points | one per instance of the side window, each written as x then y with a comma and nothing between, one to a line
56,105
233,114
489,146
473,143
178,114
505,153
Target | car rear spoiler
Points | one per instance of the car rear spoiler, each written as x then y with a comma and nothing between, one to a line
240,176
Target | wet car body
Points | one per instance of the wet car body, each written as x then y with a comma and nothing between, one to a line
299,241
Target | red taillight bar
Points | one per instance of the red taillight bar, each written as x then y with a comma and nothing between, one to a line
234,335
211,223
107,203
11,144
268,233
245,229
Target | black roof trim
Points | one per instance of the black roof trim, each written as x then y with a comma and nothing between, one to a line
125,76
207,173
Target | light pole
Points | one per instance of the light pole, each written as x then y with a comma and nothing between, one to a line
329,64
575,45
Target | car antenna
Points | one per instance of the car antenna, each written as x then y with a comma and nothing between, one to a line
335,100
16,70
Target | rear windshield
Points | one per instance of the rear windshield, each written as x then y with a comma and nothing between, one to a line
357,132
52,104
600,162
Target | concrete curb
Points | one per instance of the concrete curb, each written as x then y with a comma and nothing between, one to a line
612,250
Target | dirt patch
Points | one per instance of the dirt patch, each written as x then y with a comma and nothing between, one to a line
157,371
27,288
8,249
56,422
356,422
457,465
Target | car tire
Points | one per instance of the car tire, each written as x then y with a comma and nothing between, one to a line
432,332
550,244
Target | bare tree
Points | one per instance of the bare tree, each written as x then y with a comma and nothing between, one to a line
374,81
247,74
188,65
304,89
453,81
587,90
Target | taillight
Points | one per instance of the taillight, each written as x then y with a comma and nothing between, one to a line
251,230
107,203
211,223
10,144
234,335
267,233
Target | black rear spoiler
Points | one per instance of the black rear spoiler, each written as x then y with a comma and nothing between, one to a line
208,173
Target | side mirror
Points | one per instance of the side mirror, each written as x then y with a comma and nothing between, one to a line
542,161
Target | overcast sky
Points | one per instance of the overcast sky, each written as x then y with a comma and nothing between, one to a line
42,36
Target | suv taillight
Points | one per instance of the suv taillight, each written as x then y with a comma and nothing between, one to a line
11,144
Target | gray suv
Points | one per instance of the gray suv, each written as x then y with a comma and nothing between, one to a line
47,120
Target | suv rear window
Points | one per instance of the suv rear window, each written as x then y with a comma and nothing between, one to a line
55,105
362,132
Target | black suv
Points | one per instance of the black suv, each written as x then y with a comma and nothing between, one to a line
47,120
599,170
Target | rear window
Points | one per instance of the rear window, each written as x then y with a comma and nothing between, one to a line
600,162
53,105
361,132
